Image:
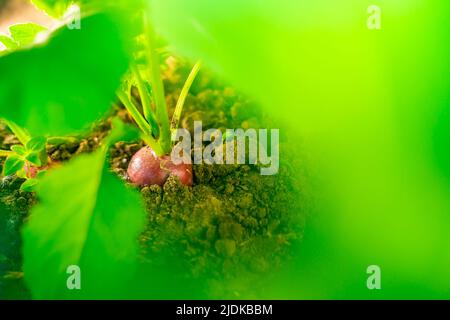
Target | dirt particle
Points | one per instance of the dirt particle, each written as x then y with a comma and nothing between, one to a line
226,247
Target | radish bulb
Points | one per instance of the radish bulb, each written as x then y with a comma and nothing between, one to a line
146,168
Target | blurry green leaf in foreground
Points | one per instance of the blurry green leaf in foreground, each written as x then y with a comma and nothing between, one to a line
364,116
88,218
61,87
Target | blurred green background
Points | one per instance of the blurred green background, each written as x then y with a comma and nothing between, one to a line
372,107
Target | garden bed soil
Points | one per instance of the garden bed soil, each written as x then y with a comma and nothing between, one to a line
231,225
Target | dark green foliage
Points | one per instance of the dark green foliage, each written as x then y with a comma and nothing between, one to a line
61,87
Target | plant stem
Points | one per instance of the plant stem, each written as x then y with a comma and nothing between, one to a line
18,132
5,153
158,90
134,112
140,121
183,95
153,123
153,144
146,103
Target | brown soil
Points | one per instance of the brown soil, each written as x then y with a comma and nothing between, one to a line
231,225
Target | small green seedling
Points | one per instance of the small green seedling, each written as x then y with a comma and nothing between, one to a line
26,159
152,164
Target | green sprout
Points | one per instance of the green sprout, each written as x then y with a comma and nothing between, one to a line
23,158
145,75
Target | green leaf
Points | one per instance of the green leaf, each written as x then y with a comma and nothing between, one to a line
59,88
9,43
21,173
20,133
41,174
34,158
12,164
86,217
54,8
29,185
24,34
313,65
20,150
58,8
36,144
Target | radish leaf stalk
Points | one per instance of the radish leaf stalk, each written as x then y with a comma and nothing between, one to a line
183,95
158,90
154,120
146,101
